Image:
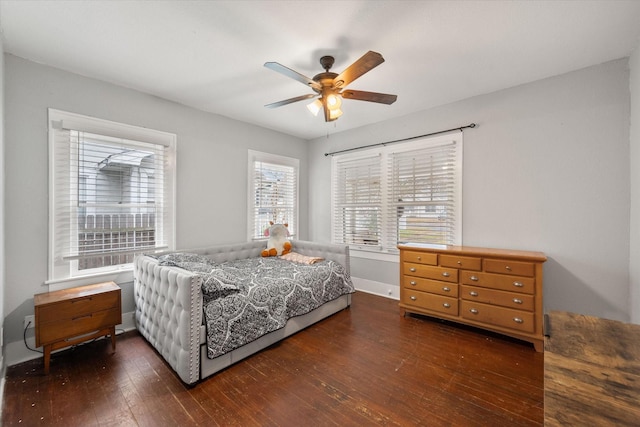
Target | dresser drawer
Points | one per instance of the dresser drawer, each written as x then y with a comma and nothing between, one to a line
464,262
78,325
495,297
431,302
503,266
522,321
420,257
428,272
433,286
498,281
78,306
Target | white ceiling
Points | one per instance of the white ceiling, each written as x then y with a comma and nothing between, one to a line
210,54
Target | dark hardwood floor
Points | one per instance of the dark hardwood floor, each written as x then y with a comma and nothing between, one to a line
366,365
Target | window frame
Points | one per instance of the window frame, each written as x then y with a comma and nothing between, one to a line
385,152
254,156
65,273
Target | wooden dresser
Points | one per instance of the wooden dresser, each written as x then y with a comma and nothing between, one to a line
70,316
495,289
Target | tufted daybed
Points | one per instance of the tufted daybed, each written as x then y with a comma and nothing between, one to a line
170,303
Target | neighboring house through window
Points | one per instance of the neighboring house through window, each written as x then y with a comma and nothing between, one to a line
111,194
409,192
273,193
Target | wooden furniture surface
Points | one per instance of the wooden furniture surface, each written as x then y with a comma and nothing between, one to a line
70,316
591,371
494,289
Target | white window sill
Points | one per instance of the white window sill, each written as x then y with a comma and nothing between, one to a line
377,256
123,275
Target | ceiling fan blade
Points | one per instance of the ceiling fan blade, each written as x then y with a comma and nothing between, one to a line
367,62
290,100
382,98
292,74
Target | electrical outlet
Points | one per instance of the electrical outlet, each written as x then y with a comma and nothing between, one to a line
29,320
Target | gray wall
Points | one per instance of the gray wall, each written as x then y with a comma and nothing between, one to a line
634,265
547,169
211,164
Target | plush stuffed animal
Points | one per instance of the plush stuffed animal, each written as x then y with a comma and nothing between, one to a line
277,243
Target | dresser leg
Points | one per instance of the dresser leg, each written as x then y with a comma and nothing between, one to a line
47,358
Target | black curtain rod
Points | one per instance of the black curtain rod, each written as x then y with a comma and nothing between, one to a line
471,126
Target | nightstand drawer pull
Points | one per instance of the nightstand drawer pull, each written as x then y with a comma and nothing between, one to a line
473,293
82,300
446,274
412,269
474,311
518,284
517,300
518,320
474,278
446,289
413,298
446,305
413,283
86,316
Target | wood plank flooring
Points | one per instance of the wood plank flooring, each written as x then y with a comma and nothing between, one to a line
366,365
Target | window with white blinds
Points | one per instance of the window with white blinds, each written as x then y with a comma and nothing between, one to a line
273,193
111,194
400,193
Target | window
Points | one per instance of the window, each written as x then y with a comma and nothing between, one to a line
273,193
400,193
111,194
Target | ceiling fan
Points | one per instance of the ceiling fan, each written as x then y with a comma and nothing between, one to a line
331,86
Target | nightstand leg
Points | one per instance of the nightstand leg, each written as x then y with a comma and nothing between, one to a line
47,358
113,338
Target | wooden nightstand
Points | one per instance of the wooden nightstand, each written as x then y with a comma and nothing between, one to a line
70,316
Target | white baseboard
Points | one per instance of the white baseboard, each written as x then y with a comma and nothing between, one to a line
17,352
376,288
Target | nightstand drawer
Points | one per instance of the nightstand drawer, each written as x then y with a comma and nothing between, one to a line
78,325
78,306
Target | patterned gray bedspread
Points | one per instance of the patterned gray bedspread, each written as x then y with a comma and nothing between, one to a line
246,299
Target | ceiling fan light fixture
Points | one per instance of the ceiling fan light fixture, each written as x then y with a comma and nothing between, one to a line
333,101
335,113
315,107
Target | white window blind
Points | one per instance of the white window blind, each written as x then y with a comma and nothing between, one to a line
273,193
357,201
111,197
409,192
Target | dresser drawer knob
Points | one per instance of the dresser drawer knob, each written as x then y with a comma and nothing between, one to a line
446,289
518,284
508,268
419,258
446,274
459,262
517,300
474,278
412,269
474,311
518,320
473,293
413,298
446,305
412,283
